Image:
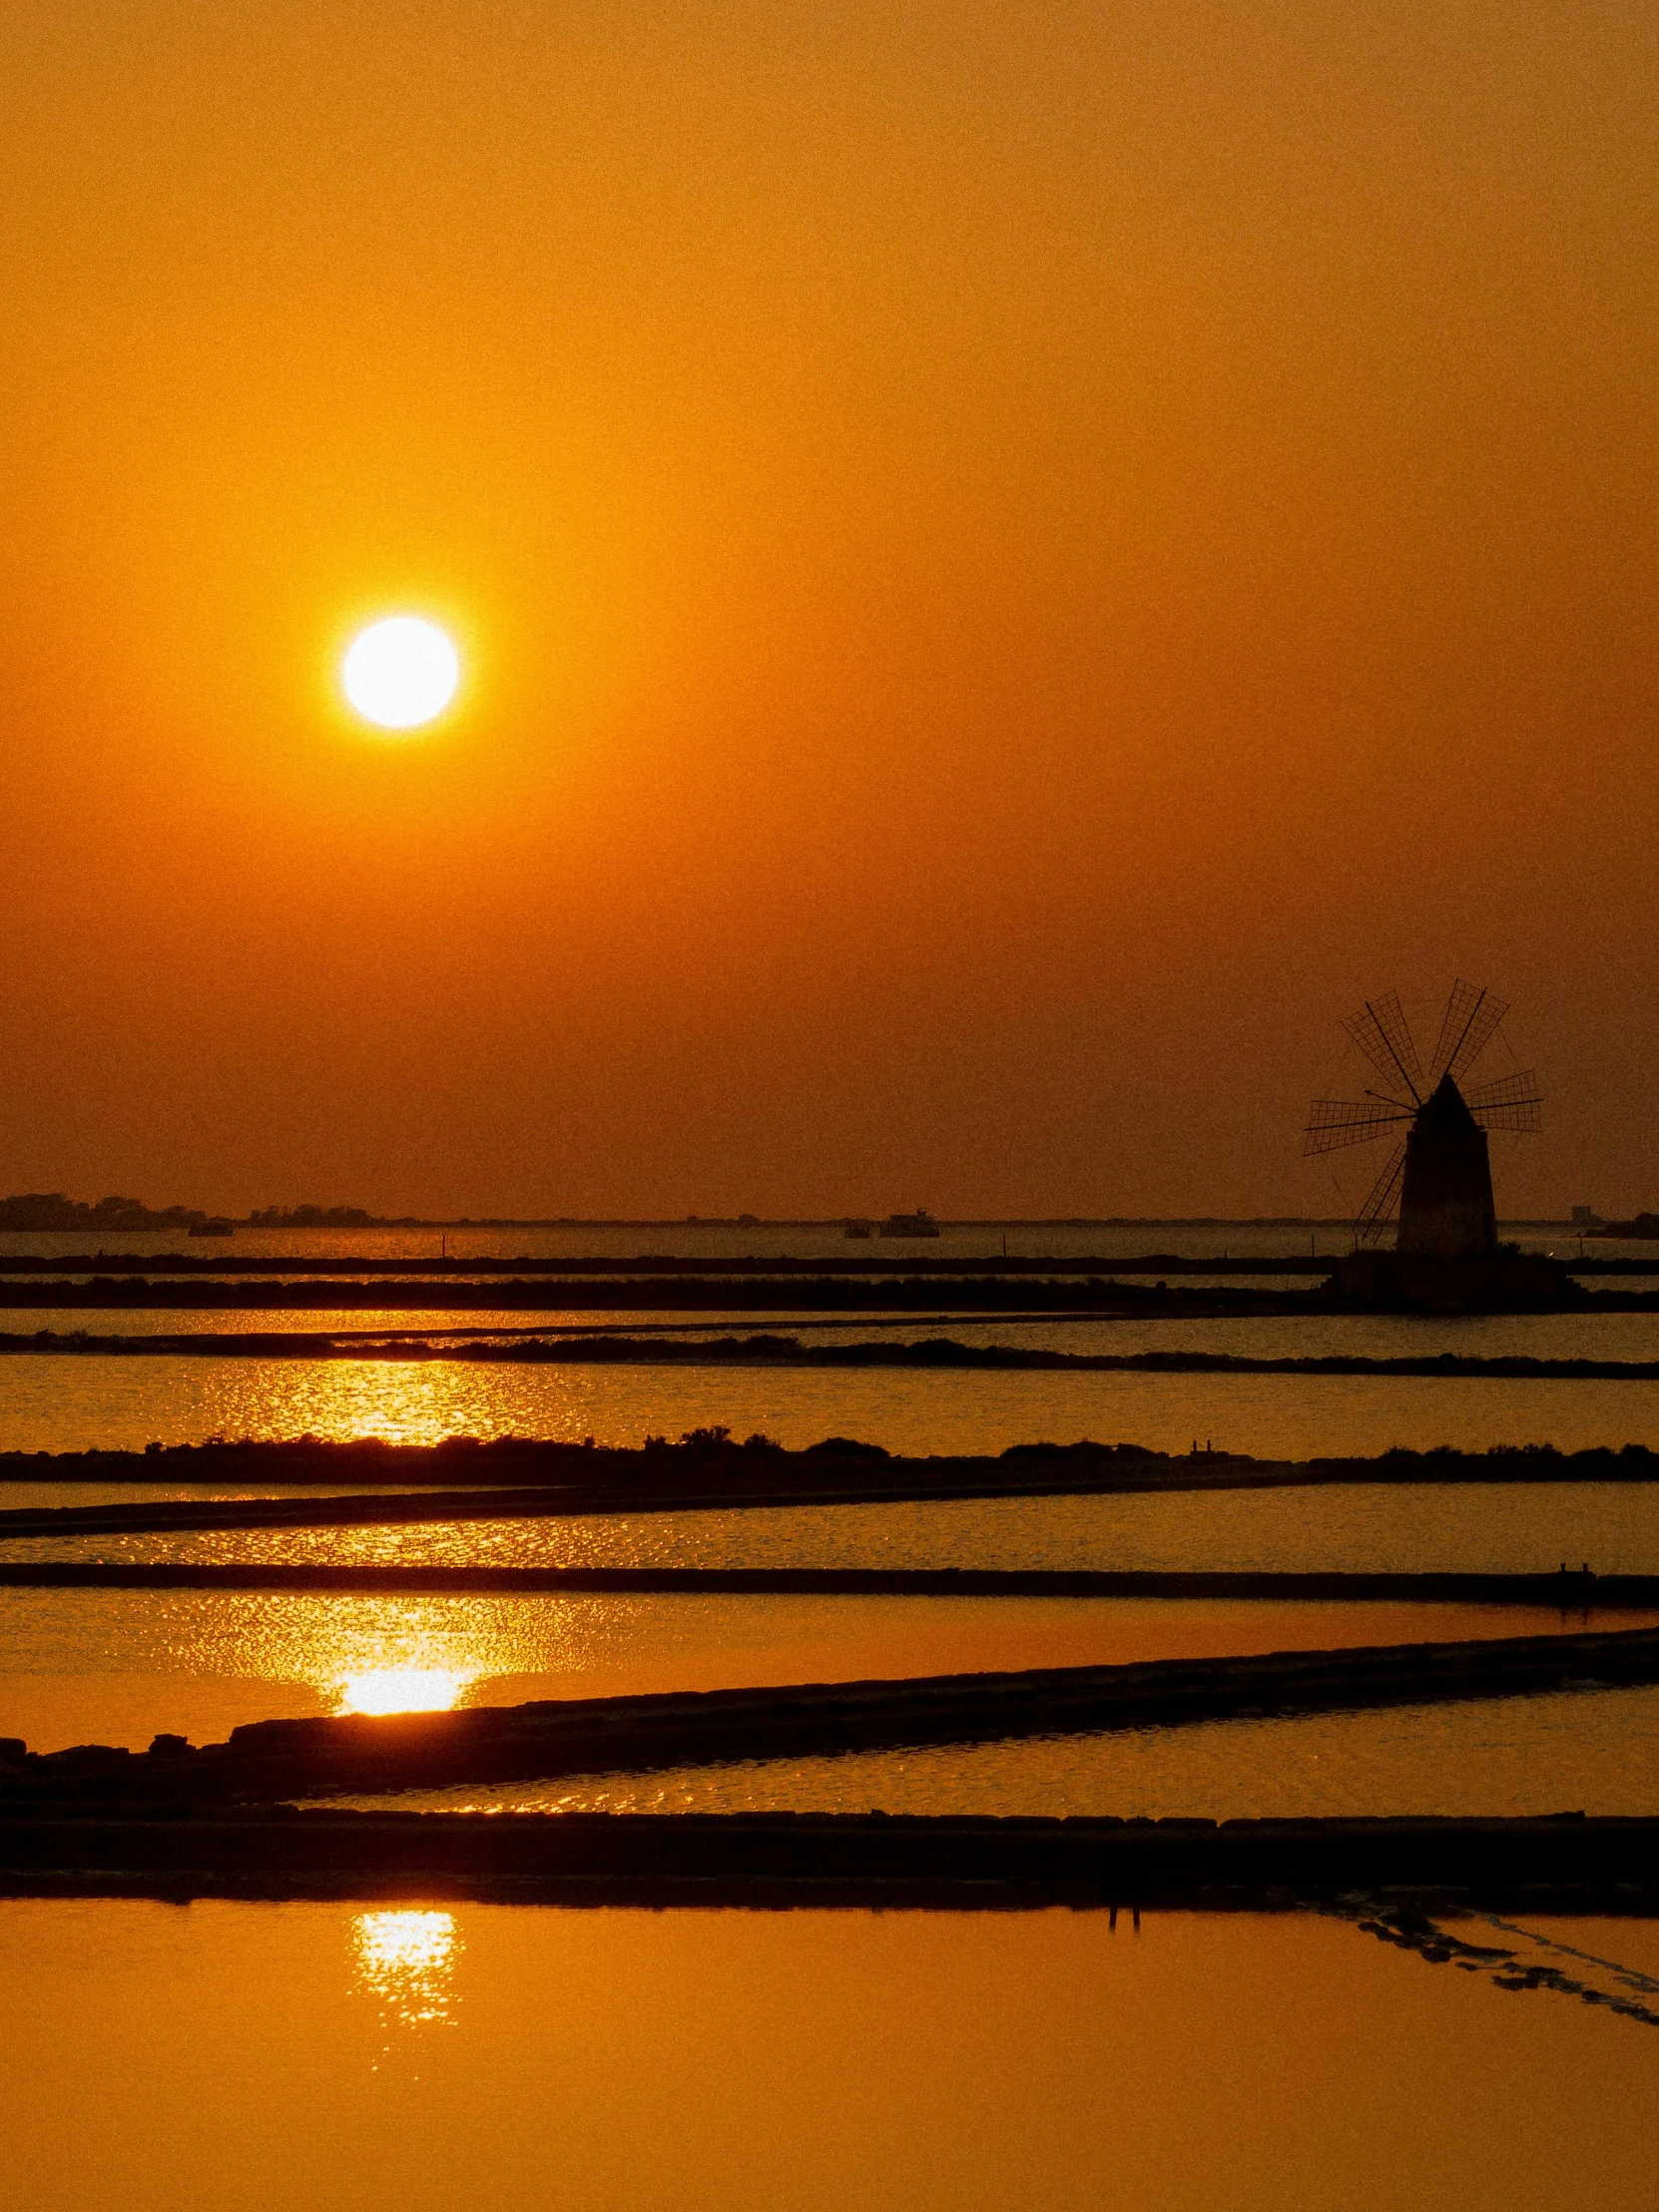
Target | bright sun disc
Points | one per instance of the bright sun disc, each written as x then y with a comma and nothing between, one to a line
401,1690
402,672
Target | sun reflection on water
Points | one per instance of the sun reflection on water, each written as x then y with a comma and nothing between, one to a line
406,1960
403,1689
370,1653
419,1401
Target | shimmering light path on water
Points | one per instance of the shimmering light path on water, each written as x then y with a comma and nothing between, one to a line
80,1403
118,1667
386,2056
1363,1527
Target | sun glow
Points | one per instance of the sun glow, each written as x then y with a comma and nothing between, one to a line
403,1690
400,672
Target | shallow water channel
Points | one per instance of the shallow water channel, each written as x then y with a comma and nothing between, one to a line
1379,1527
118,1666
80,1403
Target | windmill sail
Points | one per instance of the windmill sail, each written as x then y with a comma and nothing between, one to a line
1379,1204
1471,1018
1380,1031
1512,1103
1335,1122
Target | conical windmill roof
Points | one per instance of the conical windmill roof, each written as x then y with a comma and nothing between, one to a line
1444,1112
1446,1199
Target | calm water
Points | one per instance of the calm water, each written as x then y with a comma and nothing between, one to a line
1264,1337
80,1403
263,2056
712,1242
1590,1751
76,1403
94,1665
118,1667
389,1286
22,1497
1523,1529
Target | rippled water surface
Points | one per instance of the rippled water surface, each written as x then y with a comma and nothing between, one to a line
429,2052
1587,1749
58,1498
1617,1335
120,1666
75,1404
78,1666
1406,1528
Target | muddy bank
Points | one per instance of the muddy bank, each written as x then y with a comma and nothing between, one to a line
1564,1864
887,1268
469,1480
1576,1592
765,1350
1065,1297
363,1754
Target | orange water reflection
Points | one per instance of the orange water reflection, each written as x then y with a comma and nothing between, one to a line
1361,1527
123,1403
406,1959
403,1689
630,2061
118,1667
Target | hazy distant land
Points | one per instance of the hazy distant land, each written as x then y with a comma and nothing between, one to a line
51,1213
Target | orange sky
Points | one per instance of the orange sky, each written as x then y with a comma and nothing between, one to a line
1014,562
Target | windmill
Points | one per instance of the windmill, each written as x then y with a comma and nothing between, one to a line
1439,1165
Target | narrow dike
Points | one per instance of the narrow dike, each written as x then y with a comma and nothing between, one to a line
1575,1591
764,1350
268,1761
1562,1864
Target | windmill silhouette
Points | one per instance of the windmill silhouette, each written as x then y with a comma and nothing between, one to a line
1441,1165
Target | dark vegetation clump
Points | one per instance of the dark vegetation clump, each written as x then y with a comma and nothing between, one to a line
1626,1459
313,1217
50,1211
1084,1449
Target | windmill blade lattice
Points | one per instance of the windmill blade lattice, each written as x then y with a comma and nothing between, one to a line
1335,1122
1422,1118
1471,1018
1382,1034
1380,1205
1512,1103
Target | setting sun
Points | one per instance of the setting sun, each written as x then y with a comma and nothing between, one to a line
400,672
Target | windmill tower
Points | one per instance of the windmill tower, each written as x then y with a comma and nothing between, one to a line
1440,1167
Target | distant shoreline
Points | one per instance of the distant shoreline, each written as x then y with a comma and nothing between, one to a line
705,1469
376,1223
532,1346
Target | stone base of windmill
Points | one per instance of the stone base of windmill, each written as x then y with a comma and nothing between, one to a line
1472,1283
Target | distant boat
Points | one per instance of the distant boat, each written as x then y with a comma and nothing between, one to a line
212,1229
858,1229
919,1224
